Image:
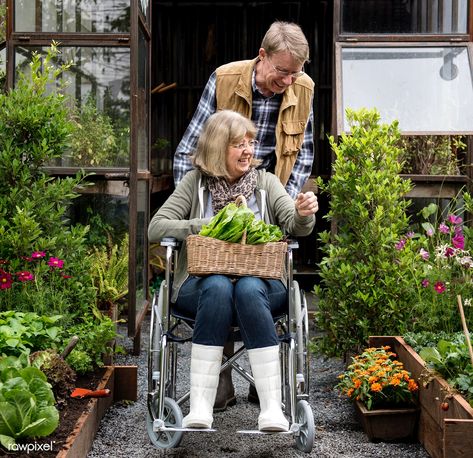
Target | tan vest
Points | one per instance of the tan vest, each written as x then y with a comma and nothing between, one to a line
234,92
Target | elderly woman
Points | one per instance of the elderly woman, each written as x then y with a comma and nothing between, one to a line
225,168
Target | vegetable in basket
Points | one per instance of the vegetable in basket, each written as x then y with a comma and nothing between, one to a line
232,220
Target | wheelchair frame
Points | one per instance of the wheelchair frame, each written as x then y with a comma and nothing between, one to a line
164,416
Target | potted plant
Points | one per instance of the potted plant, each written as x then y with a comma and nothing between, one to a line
384,394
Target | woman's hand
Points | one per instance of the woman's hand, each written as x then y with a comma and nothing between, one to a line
306,203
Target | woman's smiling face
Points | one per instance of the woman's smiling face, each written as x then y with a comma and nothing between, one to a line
239,158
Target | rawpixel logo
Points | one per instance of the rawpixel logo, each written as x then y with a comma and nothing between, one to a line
30,448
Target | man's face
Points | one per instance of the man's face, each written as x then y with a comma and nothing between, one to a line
279,70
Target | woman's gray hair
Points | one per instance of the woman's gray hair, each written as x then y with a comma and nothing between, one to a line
286,36
221,130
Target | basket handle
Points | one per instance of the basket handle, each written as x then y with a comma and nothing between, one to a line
240,201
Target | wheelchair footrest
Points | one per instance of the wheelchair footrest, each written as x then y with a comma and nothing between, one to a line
157,428
256,431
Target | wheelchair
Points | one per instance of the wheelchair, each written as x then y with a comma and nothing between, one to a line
164,415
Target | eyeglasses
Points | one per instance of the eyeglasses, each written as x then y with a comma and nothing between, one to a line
241,146
285,73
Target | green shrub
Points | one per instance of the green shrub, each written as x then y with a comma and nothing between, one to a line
364,283
35,127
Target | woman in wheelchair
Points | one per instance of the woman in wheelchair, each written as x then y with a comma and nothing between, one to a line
225,167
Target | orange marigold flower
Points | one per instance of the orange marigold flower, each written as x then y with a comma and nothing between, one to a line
376,387
386,348
394,381
412,385
372,379
350,392
357,383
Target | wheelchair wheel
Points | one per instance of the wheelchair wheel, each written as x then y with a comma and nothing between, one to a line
305,418
172,417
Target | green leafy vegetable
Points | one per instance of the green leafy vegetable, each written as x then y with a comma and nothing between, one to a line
230,223
26,401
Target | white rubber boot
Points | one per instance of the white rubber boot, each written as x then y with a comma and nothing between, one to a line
267,374
205,370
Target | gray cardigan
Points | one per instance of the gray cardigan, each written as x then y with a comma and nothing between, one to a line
183,214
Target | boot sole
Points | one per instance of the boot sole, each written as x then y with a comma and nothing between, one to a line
228,403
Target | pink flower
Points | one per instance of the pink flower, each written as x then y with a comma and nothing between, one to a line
455,219
25,276
429,232
424,254
443,228
425,282
458,241
410,235
38,255
56,263
400,245
5,280
439,287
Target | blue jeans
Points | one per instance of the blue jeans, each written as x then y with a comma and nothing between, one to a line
216,303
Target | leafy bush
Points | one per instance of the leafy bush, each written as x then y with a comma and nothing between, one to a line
26,401
364,286
35,127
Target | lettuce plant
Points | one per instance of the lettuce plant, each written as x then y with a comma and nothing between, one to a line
26,401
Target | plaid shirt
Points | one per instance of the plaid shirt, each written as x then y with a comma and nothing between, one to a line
265,112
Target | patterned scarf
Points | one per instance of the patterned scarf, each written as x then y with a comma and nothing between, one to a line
223,193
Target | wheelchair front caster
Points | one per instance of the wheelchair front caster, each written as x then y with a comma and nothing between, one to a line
172,417
305,419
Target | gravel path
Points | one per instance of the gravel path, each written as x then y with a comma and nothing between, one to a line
122,432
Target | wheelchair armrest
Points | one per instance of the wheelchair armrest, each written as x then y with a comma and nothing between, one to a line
170,241
292,244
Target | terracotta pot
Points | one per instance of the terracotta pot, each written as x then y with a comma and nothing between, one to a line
388,425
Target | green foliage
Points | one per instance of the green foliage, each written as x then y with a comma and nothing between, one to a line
110,273
364,287
94,341
451,359
20,332
93,141
432,154
35,128
26,401
3,22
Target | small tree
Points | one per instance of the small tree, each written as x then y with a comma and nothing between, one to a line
364,284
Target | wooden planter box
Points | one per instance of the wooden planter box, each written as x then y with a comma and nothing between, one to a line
444,434
122,381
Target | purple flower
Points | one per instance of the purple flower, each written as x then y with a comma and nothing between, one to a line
429,232
443,228
424,254
55,263
400,245
410,235
425,282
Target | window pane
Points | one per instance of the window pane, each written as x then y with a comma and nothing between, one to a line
143,102
404,16
144,7
99,82
72,16
141,244
426,89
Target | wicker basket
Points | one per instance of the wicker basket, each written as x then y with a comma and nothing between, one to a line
206,255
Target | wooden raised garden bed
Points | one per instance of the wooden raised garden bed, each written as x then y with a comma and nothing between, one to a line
122,382
443,433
